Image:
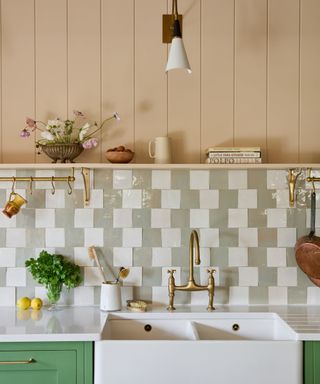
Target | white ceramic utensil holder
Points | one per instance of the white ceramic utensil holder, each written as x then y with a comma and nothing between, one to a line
110,299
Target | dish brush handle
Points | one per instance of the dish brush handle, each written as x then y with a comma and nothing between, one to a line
93,255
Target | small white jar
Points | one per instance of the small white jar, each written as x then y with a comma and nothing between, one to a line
110,298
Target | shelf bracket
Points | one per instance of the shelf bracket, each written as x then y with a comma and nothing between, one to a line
293,175
86,181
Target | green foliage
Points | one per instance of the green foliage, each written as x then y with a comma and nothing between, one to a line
54,271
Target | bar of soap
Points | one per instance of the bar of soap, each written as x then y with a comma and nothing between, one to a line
137,305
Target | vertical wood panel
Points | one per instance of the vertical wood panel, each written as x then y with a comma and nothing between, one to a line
51,62
184,91
150,77
217,35
84,65
250,72
118,72
310,81
17,78
283,81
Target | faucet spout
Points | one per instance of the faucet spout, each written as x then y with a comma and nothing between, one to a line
193,248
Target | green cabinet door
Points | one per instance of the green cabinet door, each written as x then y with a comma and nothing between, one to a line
311,362
46,363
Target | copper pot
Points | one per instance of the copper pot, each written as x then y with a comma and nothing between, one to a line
307,248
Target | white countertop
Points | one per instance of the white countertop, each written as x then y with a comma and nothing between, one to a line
86,323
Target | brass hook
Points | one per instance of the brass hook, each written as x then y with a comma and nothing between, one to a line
313,187
53,191
13,184
30,185
69,184
293,175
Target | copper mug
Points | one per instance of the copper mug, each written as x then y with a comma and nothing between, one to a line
14,204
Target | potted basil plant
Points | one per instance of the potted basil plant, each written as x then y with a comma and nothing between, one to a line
54,272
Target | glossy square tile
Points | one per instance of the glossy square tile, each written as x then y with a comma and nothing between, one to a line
161,179
199,179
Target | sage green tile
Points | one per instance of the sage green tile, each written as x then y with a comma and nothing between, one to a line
151,198
257,218
75,200
35,237
141,178
151,237
257,179
27,291
219,257
26,218
3,273
3,232
3,197
151,277
296,218
74,237
180,179
185,237
30,282
258,295
37,199
257,257
218,218
267,276
267,237
297,295
142,293
103,217
112,237
180,218
141,218
190,199
25,173
291,258
221,295
103,178
96,295
218,179
229,277
266,198
112,198
64,218
23,254
182,297
142,257
228,199
229,237
180,257
302,279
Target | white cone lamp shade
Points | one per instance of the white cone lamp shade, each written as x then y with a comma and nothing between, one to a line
178,58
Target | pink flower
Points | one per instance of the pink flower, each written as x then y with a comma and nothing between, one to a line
24,133
91,143
31,123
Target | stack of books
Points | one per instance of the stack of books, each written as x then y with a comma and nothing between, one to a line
233,155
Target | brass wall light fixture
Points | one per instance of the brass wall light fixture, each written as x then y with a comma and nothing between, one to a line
177,58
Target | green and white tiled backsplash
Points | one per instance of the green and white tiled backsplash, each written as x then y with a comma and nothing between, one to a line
142,219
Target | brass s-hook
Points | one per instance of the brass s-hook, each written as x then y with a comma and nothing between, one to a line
30,185
53,191
13,185
69,185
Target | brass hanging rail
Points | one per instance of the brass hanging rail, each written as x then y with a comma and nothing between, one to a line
311,179
31,179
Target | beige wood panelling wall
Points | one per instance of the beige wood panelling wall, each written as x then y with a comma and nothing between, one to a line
255,80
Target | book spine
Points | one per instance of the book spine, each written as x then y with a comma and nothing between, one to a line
233,149
234,160
234,154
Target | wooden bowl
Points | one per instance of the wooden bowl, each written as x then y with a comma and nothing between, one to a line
119,157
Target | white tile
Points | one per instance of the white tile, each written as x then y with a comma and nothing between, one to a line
161,257
19,191
282,198
248,276
165,276
161,179
41,292
92,276
239,295
248,237
171,237
7,257
170,198
83,296
51,250
313,296
238,257
7,296
286,237
126,294
122,179
132,198
7,173
209,198
204,257
276,257
132,237
276,217
45,218
16,237
134,278
199,218
93,236
83,218
82,258
160,218
237,218
96,198
199,179
122,217
278,295
209,237
55,237
122,257
57,200
287,277
159,295
247,198
238,179
277,179
44,173
200,298
5,222
16,277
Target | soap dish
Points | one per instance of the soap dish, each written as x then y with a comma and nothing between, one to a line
136,305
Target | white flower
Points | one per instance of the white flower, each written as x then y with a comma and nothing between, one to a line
116,116
83,131
54,123
47,135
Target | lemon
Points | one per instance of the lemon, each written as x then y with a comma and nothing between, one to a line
23,303
36,315
36,303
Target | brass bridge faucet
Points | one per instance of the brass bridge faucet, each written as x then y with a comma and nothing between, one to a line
191,284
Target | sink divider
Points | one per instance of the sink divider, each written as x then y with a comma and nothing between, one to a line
194,330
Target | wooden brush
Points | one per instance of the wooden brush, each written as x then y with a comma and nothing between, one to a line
93,255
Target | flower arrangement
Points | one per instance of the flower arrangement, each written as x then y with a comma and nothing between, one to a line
57,131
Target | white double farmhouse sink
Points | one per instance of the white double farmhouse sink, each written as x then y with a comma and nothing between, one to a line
221,348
